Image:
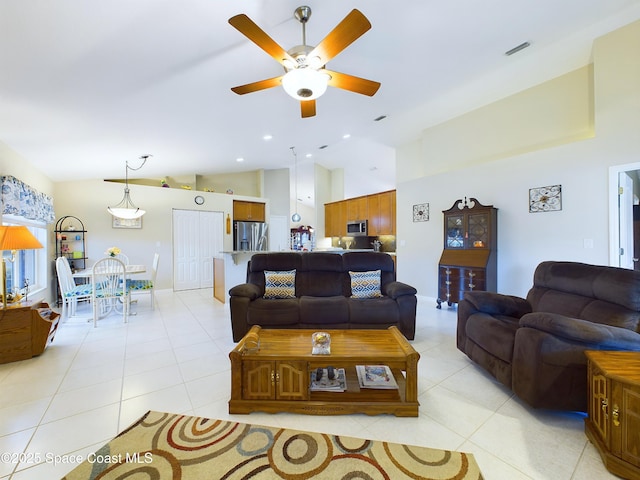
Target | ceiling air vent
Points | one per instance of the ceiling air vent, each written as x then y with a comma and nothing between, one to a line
522,46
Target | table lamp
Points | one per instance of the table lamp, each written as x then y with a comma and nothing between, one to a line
14,238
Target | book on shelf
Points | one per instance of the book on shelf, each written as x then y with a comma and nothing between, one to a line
325,384
376,376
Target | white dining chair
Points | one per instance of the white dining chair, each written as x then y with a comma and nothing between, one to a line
109,280
123,258
70,293
145,285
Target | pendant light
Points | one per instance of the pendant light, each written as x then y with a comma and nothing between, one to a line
126,208
296,216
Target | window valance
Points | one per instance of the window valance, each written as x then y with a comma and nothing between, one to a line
20,199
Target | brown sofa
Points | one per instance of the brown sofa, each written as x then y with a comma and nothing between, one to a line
323,296
536,346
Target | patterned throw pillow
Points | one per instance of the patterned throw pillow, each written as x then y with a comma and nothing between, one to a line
280,284
365,284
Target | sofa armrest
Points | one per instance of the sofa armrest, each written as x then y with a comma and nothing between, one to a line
248,290
498,304
582,331
398,289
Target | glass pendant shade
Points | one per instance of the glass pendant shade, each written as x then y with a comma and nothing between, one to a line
305,83
296,217
126,209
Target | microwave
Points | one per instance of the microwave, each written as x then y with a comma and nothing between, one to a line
357,228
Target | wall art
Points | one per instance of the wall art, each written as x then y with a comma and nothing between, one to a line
545,199
421,212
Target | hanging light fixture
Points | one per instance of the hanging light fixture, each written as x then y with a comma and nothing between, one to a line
296,216
126,208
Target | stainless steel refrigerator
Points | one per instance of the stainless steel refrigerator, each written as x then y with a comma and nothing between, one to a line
250,236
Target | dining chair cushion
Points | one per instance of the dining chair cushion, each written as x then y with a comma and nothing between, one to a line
100,293
139,284
79,291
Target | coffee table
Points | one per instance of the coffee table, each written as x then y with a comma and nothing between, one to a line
271,371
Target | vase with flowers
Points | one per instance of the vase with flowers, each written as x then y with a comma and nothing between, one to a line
112,251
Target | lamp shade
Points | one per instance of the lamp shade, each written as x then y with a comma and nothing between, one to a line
305,83
17,238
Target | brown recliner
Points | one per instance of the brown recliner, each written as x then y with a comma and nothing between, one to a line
536,346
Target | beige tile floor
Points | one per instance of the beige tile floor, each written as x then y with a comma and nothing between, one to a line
93,382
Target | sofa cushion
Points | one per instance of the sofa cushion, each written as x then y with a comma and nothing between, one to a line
494,334
324,310
365,284
373,311
320,275
273,313
279,284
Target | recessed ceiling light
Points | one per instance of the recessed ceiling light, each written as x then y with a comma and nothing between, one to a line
309,155
346,135
239,159
267,137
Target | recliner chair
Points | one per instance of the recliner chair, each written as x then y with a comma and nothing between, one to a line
535,346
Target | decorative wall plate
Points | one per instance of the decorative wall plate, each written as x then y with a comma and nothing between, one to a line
545,199
421,212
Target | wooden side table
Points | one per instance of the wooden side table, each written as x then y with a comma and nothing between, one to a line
613,424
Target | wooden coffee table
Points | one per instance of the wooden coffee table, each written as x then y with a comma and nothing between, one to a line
275,377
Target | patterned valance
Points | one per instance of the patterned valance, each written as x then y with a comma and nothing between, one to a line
21,200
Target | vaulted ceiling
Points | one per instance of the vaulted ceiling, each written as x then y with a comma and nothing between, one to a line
86,86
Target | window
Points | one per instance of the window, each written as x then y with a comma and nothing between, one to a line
29,266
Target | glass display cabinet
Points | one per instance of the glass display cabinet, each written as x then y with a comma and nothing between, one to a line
469,259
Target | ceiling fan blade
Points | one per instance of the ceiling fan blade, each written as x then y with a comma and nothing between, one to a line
353,84
352,27
257,86
253,32
308,108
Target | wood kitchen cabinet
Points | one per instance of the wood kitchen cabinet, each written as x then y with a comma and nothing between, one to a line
358,208
382,214
248,211
469,259
275,380
378,209
335,216
613,421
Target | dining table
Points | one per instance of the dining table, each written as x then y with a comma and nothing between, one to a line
87,274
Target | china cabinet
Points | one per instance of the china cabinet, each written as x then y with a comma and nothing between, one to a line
613,420
469,259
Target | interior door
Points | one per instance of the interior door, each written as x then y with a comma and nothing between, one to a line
197,239
625,209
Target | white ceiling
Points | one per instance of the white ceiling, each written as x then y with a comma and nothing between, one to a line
86,85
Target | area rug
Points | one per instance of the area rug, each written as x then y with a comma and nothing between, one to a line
169,446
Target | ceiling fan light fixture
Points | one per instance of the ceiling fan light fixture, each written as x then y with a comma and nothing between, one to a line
305,83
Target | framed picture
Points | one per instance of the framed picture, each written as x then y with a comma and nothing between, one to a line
545,199
421,212
126,222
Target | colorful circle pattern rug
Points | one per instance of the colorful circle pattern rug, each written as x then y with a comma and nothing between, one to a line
180,447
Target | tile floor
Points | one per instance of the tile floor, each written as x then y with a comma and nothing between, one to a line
91,383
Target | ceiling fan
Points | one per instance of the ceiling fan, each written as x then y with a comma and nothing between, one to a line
306,77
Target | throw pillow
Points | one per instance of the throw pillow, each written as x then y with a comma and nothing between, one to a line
365,284
280,284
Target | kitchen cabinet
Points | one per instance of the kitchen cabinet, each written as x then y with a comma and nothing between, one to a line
275,380
382,214
248,211
613,420
378,209
358,208
469,259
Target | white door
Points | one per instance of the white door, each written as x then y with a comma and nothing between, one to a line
197,238
625,209
279,236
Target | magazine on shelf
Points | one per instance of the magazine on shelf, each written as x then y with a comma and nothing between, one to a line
375,376
337,384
